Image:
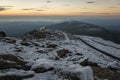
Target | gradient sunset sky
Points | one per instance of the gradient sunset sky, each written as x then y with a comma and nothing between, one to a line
59,7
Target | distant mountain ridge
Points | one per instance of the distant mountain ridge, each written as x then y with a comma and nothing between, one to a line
19,28
81,28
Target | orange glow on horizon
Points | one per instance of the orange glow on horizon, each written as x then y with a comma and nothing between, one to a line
59,8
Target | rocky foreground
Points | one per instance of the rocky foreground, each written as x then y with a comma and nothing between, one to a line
55,55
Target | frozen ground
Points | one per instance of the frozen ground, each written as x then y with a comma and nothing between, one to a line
38,55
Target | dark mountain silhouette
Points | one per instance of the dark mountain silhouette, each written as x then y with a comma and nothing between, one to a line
81,28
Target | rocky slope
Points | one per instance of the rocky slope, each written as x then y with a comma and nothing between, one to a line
55,55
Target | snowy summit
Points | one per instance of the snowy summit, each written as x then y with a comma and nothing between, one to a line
47,54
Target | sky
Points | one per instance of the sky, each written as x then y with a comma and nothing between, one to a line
59,7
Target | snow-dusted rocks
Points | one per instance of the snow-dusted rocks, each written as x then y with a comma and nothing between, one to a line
88,63
106,46
11,61
14,74
35,34
105,73
60,56
7,40
77,72
43,28
46,34
114,65
42,65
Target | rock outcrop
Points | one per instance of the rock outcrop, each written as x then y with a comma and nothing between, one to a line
35,34
2,34
8,61
13,74
42,65
62,52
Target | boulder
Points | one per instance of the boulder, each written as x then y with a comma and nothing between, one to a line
42,65
2,34
8,61
88,63
105,74
62,52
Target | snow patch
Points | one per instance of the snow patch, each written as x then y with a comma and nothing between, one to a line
42,63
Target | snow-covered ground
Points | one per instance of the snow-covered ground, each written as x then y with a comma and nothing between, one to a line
107,46
42,56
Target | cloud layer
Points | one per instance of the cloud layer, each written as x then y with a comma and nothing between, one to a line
33,9
59,7
48,1
90,2
3,8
